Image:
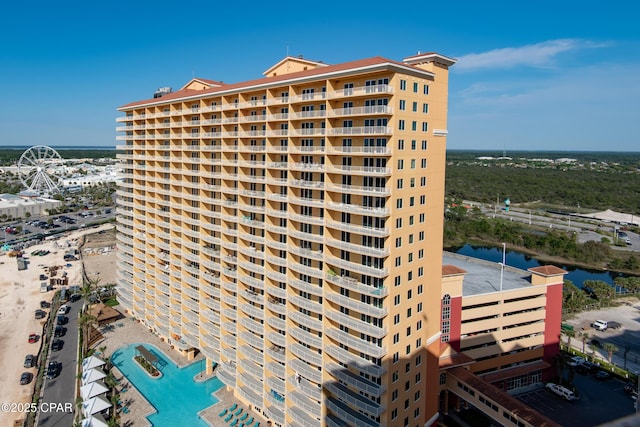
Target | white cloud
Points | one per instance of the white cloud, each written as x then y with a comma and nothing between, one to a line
539,55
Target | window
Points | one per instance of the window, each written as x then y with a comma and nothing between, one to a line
403,85
401,124
425,108
394,414
419,307
413,162
412,200
394,395
408,349
394,377
419,358
398,222
423,199
425,89
408,330
398,261
396,338
423,163
419,289
399,204
424,144
398,242
414,125
400,184
415,87
425,126
414,107
423,181
403,105
401,162
401,144
396,357
396,319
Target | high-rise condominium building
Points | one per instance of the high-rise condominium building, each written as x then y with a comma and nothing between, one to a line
289,228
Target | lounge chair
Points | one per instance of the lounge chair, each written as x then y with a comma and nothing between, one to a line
226,420
223,413
244,417
249,422
233,407
257,424
125,409
238,412
233,424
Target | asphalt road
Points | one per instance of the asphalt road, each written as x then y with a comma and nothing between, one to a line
599,402
61,390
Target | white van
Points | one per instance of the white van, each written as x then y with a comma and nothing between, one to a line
561,391
600,325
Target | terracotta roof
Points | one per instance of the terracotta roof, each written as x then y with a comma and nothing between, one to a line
508,402
548,270
515,371
352,65
211,82
454,360
452,270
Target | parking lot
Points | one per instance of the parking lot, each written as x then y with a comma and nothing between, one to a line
598,403
625,338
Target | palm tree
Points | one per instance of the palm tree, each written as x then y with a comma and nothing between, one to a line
593,352
570,334
585,338
610,348
85,322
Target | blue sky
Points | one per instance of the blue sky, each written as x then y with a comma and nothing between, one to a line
545,75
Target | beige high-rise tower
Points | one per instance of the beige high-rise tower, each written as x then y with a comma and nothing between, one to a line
289,228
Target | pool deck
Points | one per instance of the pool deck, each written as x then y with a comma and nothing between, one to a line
128,331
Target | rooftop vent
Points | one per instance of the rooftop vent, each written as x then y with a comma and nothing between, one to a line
162,91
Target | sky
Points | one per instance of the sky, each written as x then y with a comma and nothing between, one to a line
544,75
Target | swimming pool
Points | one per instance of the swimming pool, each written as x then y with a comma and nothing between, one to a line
176,397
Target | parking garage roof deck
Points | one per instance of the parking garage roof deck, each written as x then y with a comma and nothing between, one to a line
483,277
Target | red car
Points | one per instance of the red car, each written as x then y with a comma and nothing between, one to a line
33,338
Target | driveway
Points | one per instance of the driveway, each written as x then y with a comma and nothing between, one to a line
61,390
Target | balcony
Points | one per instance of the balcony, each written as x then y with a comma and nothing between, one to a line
250,382
252,354
312,288
347,377
361,130
305,320
359,189
277,353
226,372
361,150
312,407
356,305
305,303
311,373
356,286
302,418
252,281
253,326
358,209
360,402
352,266
253,311
254,397
277,323
277,339
276,368
355,343
345,413
361,111
251,368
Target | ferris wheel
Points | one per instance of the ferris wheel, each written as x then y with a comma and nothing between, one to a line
34,166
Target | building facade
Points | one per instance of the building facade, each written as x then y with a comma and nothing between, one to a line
289,228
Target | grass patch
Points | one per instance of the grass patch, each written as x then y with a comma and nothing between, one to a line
111,302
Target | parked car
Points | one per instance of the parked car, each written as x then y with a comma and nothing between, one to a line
575,361
59,331
33,338
62,320
40,314
602,375
561,391
26,378
53,370
64,309
45,304
57,344
600,325
29,361
587,368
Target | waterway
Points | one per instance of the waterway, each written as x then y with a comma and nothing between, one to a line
519,260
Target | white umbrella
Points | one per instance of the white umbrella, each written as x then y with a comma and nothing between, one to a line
92,362
90,390
92,375
96,420
94,405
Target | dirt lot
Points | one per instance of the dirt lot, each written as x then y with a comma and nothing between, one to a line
98,256
20,296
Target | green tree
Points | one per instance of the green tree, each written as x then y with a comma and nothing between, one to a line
584,336
570,333
610,348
